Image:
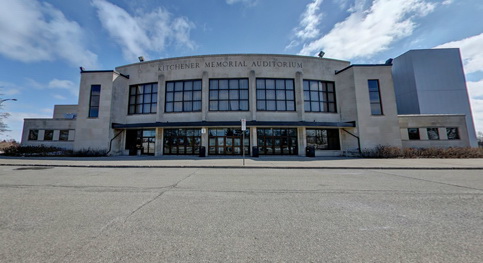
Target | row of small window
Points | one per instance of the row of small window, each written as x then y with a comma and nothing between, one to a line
49,135
227,95
433,133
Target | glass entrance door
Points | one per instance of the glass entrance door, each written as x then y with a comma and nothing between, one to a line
277,141
182,141
228,141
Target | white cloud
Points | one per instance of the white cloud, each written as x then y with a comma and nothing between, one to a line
139,34
246,2
9,89
55,84
475,91
36,31
309,23
367,31
471,49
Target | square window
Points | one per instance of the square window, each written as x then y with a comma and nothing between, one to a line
452,133
433,133
413,133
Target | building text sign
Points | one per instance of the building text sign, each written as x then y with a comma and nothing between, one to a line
230,64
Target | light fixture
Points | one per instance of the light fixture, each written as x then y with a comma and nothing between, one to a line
321,54
141,59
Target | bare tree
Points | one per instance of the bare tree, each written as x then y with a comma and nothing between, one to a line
3,116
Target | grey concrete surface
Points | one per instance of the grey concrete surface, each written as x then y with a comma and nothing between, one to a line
62,214
281,162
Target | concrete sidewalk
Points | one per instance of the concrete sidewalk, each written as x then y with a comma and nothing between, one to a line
268,162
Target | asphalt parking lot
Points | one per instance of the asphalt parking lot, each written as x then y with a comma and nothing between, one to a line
65,214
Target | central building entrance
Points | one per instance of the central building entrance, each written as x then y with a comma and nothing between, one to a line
182,141
227,141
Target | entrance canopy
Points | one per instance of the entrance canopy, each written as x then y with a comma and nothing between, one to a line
350,124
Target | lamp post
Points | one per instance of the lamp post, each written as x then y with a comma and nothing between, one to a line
2,101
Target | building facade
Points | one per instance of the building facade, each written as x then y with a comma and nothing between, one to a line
293,105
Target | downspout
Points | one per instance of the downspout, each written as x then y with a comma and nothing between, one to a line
358,141
110,143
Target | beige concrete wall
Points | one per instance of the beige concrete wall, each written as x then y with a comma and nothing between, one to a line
96,133
60,111
49,124
440,121
382,129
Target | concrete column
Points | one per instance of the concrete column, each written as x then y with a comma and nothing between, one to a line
441,131
299,95
158,150
161,97
56,135
205,139
423,134
41,135
253,138
302,142
252,87
205,90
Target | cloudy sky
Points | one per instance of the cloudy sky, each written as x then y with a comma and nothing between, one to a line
44,42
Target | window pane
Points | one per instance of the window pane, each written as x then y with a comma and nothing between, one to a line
223,94
178,86
270,84
169,86
214,105
213,84
188,95
452,133
213,95
244,94
281,105
260,84
261,105
280,84
188,106
290,106
243,83
289,84
260,94
271,105
413,133
374,97
169,97
376,109
197,95
223,105
196,105
280,94
433,134
147,89
233,95
270,94
178,96
197,85
233,84
373,85
188,85
223,84
307,106
244,105
315,106
178,106
169,107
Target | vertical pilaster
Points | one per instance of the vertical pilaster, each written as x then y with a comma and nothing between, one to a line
205,91
302,142
252,86
159,143
253,138
161,95
299,95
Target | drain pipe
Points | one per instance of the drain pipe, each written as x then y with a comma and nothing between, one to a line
358,140
110,143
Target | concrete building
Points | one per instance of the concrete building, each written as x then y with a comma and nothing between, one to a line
194,106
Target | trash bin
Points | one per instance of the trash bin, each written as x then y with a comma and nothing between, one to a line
202,151
310,151
255,151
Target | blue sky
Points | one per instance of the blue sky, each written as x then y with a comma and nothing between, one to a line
44,43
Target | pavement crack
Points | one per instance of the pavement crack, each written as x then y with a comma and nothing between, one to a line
166,189
429,181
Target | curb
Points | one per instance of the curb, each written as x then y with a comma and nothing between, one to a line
244,167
